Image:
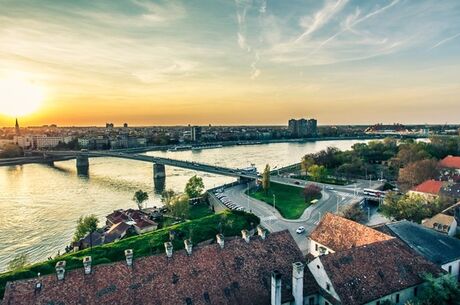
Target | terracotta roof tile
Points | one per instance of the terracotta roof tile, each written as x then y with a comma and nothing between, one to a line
450,162
237,274
363,274
338,233
429,187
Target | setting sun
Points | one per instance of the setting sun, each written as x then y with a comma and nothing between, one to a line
19,96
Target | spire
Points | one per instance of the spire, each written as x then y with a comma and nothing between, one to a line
17,127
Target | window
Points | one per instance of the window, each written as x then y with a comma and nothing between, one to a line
328,286
316,247
397,298
450,269
415,291
311,301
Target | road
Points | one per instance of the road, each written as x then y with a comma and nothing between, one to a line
271,219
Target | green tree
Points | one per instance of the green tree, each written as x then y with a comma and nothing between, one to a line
194,187
413,207
84,226
317,172
140,197
266,178
179,206
440,291
305,164
18,262
167,195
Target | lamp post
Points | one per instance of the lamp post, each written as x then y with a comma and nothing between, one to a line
274,202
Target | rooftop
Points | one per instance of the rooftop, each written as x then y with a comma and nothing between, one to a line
338,233
363,274
436,247
450,162
439,222
429,187
239,273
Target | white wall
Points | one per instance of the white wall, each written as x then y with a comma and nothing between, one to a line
317,269
314,248
455,268
404,296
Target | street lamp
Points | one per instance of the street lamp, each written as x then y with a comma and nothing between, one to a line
274,201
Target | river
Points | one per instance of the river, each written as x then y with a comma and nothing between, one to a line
40,204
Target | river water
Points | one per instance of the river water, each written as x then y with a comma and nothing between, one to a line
40,204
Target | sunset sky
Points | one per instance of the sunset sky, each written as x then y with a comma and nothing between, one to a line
232,62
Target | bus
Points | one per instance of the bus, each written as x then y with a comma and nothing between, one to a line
374,193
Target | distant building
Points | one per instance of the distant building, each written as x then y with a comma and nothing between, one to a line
109,125
451,163
447,222
432,189
40,141
302,128
395,129
125,125
195,132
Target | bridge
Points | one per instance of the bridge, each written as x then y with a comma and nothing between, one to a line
159,163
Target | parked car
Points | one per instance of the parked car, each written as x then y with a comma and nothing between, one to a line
300,230
328,187
297,183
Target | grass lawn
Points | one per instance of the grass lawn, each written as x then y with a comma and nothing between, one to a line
199,210
146,244
290,201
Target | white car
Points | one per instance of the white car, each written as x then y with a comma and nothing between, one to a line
329,188
300,230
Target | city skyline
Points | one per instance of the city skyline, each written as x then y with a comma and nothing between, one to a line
229,62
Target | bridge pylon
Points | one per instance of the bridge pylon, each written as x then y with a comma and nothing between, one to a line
82,162
159,176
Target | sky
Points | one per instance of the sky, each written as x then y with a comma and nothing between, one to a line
226,62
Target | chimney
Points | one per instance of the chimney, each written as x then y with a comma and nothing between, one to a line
220,240
188,246
261,231
129,256
87,264
276,288
245,235
60,270
297,282
169,249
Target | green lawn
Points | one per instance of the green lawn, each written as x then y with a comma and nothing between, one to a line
290,201
199,210
146,244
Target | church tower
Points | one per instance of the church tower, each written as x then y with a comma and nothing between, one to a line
17,127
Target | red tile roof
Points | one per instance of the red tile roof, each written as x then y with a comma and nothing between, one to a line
338,233
429,187
240,273
450,162
364,274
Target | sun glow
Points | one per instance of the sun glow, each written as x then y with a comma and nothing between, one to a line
19,96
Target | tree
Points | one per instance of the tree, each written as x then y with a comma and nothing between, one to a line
167,195
11,151
139,197
317,172
353,212
194,187
311,191
411,207
439,291
179,206
85,225
18,262
266,178
305,164
417,172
